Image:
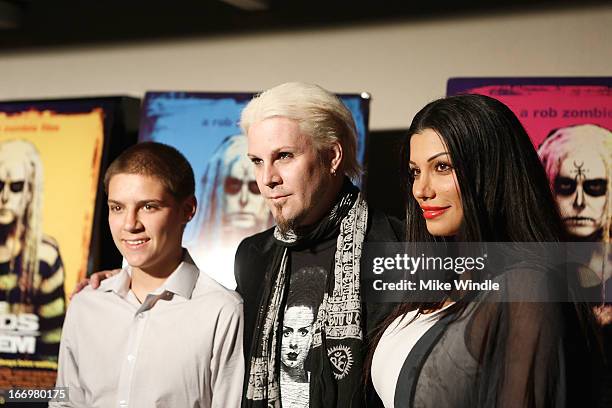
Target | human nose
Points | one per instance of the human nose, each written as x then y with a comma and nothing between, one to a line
271,178
579,202
422,188
131,222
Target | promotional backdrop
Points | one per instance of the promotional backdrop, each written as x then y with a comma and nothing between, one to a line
52,155
569,121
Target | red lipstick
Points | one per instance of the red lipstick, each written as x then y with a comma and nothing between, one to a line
430,212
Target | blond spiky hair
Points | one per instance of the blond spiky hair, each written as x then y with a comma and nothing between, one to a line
319,114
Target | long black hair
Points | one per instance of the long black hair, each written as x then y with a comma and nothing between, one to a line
505,193
504,189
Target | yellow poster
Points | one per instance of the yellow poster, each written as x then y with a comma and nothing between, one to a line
49,170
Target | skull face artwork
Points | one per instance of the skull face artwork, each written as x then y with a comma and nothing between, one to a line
578,163
244,206
15,190
580,189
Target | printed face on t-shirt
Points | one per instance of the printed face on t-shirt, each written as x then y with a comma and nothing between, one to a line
297,336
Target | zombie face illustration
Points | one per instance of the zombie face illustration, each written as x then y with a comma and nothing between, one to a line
244,207
580,189
16,174
578,162
231,205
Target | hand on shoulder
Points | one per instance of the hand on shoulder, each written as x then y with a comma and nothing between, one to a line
94,280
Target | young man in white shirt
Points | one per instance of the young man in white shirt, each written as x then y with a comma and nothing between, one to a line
160,332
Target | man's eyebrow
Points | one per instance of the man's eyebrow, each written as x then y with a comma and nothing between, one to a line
139,203
275,151
279,149
149,201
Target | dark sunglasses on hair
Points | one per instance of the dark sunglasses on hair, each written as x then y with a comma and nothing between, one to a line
594,187
15,186
233,185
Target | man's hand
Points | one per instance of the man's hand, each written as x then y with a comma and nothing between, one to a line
94,280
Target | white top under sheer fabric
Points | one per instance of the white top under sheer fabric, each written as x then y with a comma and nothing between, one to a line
394,346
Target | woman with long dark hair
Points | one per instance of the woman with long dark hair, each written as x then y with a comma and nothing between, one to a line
474,176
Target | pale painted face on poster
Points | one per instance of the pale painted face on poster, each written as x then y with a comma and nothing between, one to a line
15,193
580,190
244,208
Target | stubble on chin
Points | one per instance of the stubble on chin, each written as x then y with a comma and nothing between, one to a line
283,224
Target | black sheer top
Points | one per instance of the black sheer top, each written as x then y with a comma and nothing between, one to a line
497,353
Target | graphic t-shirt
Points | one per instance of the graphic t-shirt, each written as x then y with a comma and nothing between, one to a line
309,269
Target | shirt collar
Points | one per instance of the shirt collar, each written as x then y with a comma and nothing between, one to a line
180,282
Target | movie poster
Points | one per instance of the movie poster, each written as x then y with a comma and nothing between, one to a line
204,127
569,121
51,156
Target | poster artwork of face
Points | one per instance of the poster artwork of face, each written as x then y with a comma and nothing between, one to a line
15,193
20,219
26,256
244,208
578,163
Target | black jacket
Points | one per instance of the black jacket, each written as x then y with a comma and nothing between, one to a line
254,255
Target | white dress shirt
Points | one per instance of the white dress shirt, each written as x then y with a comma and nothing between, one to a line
182,347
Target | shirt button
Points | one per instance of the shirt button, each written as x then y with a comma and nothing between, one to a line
131,357
141,315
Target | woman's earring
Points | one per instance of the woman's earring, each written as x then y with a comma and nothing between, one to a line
333,171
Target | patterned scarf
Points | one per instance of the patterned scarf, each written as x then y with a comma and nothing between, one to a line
337,344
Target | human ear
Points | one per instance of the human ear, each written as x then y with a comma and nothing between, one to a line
336,157
190,205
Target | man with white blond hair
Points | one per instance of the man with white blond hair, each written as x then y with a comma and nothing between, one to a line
302,142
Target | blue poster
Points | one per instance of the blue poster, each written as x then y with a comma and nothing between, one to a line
205,128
